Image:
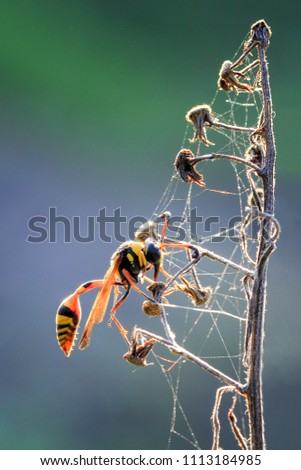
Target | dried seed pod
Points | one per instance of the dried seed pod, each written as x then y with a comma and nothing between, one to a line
151,308
200,116
186,168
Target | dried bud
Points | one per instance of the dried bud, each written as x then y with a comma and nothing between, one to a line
227,79
254,154
186,168
151,308
200,116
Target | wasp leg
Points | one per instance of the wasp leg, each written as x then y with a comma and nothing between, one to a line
165,273
133,284
122,331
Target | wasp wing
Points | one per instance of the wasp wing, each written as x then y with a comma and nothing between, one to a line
100,304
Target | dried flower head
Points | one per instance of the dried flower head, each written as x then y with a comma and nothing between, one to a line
186,168
254,154
198,296
137,354
200,116
147,230
227,79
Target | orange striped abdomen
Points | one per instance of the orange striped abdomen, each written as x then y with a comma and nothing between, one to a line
67,322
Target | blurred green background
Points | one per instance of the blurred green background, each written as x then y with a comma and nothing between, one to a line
93,98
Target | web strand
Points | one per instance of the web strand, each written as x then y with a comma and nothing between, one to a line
207,329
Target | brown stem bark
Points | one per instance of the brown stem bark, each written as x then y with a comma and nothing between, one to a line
257,304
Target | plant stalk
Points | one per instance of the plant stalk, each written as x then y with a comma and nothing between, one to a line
257,304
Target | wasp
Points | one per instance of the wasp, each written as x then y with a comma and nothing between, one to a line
129,264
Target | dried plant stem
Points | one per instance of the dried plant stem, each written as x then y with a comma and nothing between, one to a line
257,304
254,281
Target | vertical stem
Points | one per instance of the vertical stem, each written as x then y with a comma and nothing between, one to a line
257,305
254,388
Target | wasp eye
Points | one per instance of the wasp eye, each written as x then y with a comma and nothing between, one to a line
152,252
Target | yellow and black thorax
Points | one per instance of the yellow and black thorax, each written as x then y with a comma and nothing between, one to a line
136,258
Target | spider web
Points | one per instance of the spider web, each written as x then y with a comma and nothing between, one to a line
215,332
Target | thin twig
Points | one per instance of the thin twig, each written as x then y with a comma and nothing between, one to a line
234,427
215,415
169,333
275,235
243,236
231,127
254,189
193,272
227,262
248,67
214,257
183,270
215,156
175,348
246,52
